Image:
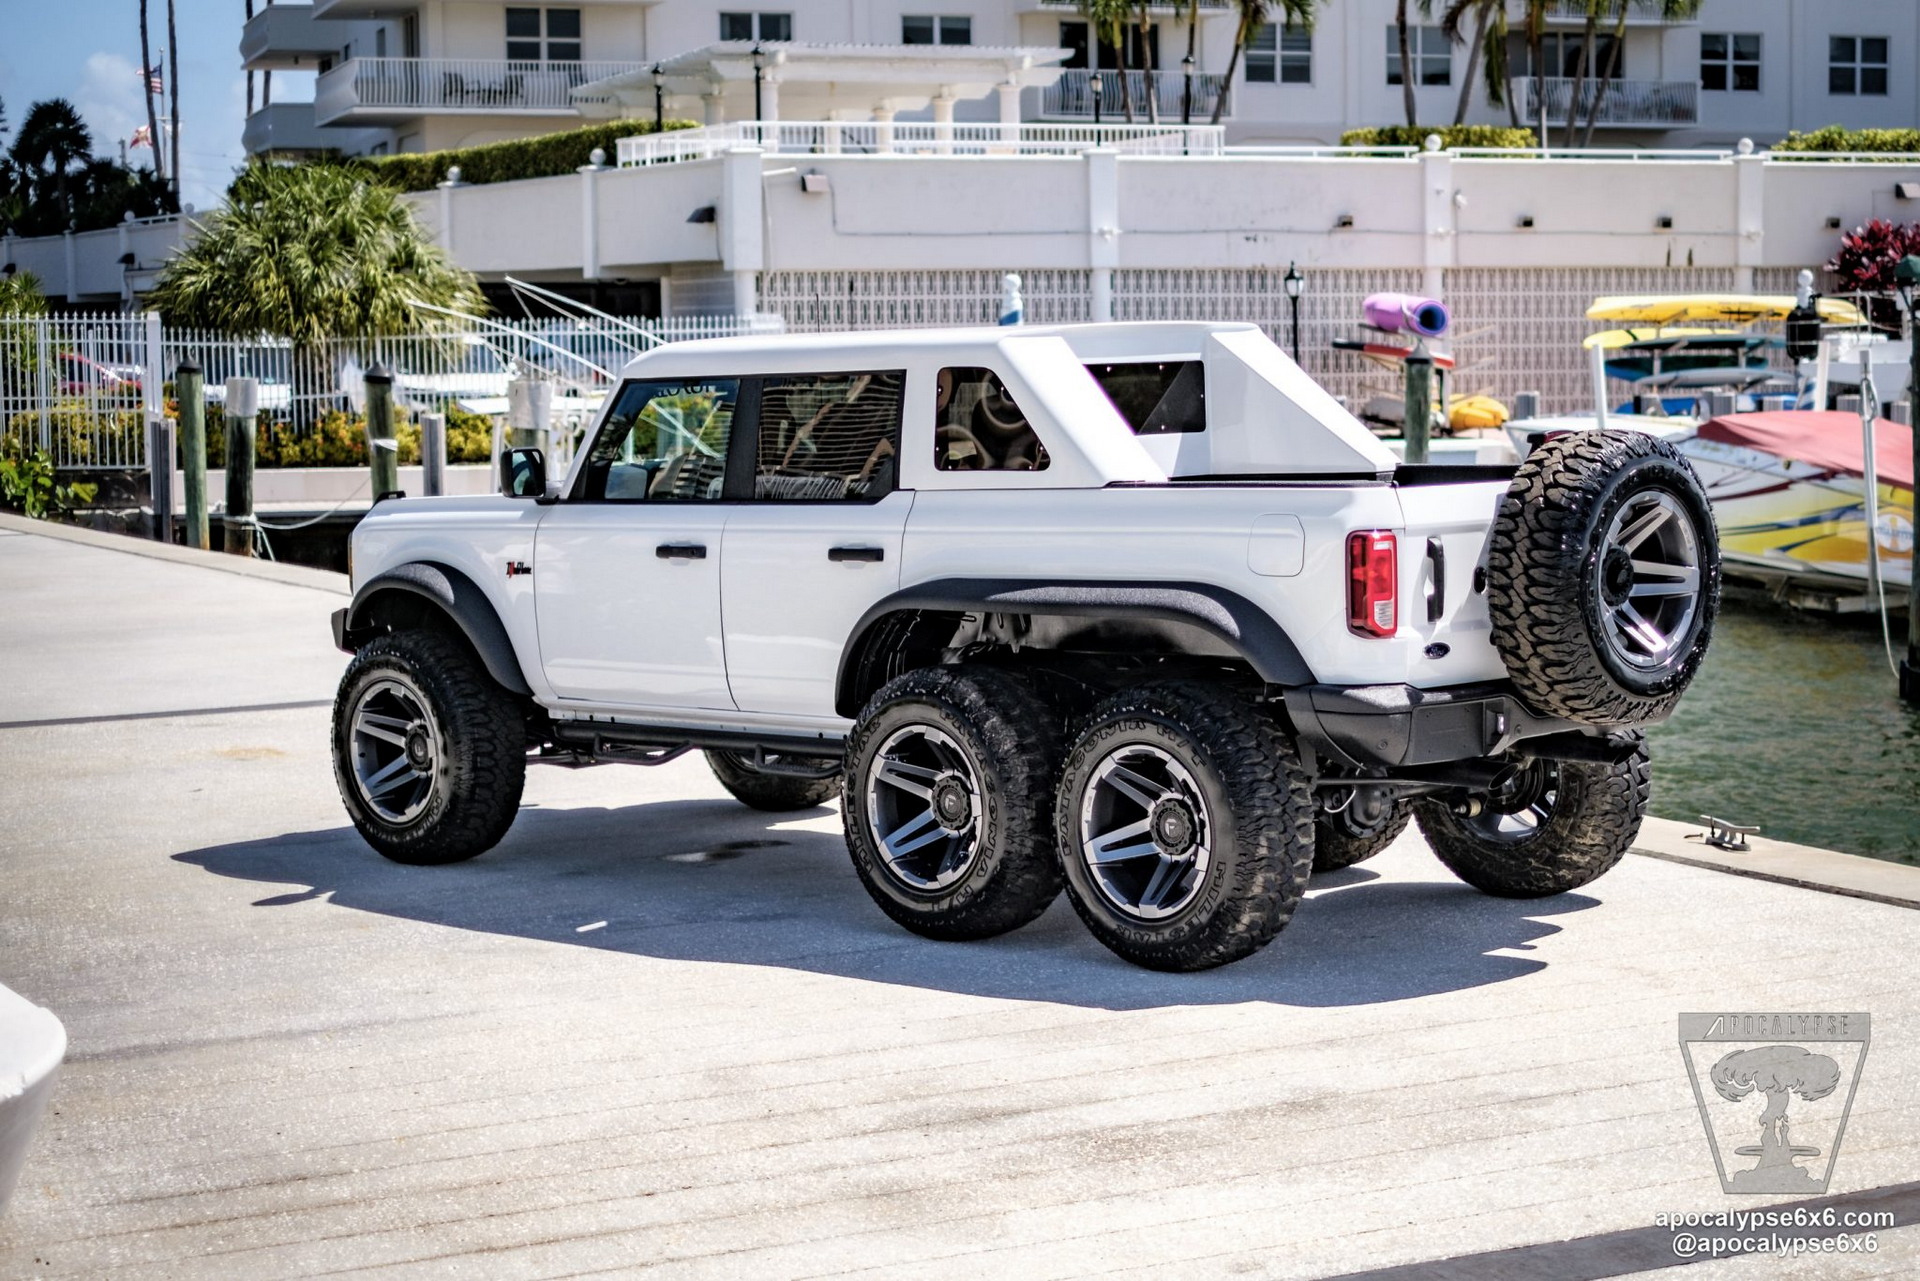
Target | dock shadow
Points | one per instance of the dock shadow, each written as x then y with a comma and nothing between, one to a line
714,881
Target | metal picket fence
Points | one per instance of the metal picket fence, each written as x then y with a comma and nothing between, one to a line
78,385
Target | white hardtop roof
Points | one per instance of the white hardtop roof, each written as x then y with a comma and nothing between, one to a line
1122,340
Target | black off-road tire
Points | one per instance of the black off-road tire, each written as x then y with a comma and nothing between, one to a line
1257,824
1341,840
480,766
1546,560
1001,730
766,790
1594,814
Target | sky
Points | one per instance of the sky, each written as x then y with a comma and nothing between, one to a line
88,52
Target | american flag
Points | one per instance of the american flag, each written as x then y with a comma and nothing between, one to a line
142,137
154,82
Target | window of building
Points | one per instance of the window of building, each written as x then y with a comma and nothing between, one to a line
1729,62
756,26
543,35
380,43
978,427
828,436
935,29
1279,55
665,441
1431,51
1857,65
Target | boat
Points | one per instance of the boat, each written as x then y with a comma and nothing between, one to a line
1789,495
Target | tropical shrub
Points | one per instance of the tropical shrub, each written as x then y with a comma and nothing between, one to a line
541,157
21,295
81,434
1502,136
313,252
29,483
1835,138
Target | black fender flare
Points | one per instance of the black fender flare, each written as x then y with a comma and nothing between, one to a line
453,594
1230,617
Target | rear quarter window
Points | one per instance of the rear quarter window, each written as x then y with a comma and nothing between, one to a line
1157,397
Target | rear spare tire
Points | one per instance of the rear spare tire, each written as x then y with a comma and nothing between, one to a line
1603,577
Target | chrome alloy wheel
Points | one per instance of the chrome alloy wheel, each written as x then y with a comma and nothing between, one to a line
1649,580
923,804
1145,832
396,749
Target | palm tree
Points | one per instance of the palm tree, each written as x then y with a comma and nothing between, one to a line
1589,33
52,140
1487,48
1252,16
1146,61
1406,64
1109,20
173,93
146,88
1670,11
311,252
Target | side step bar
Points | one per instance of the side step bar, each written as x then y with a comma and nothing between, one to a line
588,742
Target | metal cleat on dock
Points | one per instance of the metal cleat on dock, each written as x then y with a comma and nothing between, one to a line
1723,834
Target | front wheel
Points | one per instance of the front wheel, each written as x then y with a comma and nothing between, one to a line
1548,827
1185,826
430,754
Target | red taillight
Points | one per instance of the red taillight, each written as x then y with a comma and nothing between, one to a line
1372,583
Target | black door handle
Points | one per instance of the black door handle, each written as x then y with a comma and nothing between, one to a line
856,553
1437,598
681,551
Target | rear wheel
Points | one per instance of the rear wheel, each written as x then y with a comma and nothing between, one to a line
1185,827
948,801
1371,820
1548,827
771,789
429,753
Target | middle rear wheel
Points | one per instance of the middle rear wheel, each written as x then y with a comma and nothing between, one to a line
1185,825
948,799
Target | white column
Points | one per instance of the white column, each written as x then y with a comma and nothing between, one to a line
589,222
943,121
883,126
742,249
1009,95
1103,228
1436,184
715,101
770,98
1750,186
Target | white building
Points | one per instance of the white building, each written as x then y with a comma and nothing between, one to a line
394,75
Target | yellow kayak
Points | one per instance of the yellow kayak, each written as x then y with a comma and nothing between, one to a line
1614,339
1476,413
1672,309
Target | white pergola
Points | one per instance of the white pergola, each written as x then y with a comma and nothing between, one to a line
828,81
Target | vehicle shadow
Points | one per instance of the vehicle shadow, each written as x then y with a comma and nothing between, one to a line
709,880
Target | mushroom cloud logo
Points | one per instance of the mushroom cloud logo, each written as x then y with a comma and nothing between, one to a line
1787,1060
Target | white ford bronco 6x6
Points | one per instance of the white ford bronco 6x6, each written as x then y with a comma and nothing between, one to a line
1134,609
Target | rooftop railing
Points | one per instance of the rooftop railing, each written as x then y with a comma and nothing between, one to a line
372,87
921,137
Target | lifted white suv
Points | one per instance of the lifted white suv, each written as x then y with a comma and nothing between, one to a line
1136,609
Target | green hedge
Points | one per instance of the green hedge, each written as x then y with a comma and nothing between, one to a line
1450,136
541,157
1834,138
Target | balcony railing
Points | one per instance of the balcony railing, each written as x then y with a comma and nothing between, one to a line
1157,6
1071,95
1642,104
918,138
1639,13
376,88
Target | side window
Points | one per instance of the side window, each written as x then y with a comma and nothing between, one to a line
665,441
828,436
1158,397
978,427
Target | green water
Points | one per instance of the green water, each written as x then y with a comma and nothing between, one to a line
1795,724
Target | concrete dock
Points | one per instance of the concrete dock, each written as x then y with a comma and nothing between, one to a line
656,1032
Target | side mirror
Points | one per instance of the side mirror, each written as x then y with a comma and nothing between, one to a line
523,473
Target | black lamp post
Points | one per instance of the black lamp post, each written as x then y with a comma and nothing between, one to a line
1906,278
1186,90
1295,282
759,76
659,99
1093,87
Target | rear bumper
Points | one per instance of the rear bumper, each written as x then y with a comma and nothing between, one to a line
1375,726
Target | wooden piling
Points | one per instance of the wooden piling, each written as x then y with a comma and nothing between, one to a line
190,388
243,407
383,450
